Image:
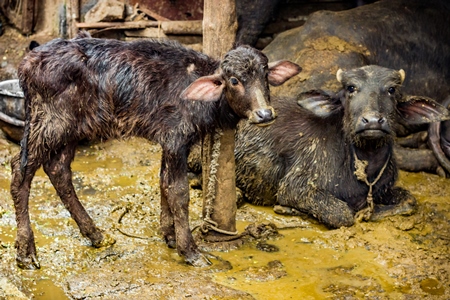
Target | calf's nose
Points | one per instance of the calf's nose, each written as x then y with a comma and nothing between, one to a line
263,115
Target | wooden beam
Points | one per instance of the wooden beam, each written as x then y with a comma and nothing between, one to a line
119,25
183,27
167,27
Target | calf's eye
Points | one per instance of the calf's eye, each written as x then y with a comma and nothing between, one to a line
234,81
391,90
351,88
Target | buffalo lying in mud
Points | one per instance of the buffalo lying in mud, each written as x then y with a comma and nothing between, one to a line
280,165
92,89
331,154
400,34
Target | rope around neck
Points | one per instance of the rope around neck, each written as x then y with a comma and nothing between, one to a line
361,174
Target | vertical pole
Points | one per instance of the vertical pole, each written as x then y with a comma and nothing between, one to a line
28,15
75,16
72,17
219,33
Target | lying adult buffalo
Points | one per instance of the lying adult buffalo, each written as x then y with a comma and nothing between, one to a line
331,154
401,34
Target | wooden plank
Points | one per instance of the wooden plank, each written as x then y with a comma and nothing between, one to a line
146,33
182,27
167,27
118,25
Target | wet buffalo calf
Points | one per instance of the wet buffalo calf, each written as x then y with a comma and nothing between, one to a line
93,89
331,155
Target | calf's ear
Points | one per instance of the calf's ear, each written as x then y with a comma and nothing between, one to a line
282,70
420,110
206,88
319,102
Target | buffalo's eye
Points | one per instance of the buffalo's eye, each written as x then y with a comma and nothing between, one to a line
234,81
351,88
391,90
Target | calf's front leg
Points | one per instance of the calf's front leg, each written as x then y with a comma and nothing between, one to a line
175,186
166,217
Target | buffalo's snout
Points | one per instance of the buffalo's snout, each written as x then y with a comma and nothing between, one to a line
262,115
372,125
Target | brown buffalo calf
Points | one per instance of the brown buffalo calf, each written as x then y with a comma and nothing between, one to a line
88,88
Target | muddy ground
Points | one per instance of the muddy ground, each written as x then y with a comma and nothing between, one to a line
396,258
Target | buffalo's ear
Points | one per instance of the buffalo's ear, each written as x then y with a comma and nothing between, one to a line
320,103
282,70
420,110
206,88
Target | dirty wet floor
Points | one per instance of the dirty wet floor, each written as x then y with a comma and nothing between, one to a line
117,181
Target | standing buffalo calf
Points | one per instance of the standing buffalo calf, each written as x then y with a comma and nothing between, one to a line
88,88
331,156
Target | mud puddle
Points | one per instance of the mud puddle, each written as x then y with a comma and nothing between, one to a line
397,258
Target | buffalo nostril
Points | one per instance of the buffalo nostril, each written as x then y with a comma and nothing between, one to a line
365,121
381,120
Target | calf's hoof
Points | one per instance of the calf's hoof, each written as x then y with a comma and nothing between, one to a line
106,241
198,260
29,262
170,242
26,251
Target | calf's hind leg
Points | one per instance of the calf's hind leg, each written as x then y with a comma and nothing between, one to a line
20,192
58,170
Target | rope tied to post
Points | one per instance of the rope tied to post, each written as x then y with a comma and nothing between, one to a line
361,174
208,224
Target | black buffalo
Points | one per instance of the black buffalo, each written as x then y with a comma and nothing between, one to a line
400,34
331,154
